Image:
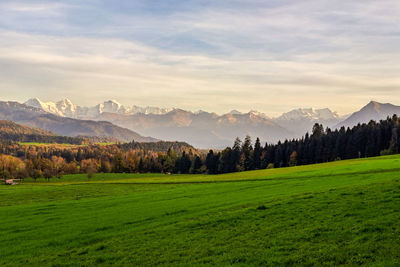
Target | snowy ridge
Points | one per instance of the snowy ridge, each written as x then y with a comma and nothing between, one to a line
310,113
66,108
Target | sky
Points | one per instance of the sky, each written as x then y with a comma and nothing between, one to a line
214,55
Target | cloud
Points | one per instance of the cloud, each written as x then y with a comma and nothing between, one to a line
211,55
29,7
13,10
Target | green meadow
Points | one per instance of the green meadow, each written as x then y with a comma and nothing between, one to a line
339,213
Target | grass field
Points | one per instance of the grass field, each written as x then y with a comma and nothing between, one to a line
339,213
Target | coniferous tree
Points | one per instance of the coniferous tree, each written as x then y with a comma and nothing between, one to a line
197,163
233,156
184,163
247,154
212,162
257,154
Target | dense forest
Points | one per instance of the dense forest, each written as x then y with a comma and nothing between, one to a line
46,161
322,145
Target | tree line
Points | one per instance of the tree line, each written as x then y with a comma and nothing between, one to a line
47,161
321,145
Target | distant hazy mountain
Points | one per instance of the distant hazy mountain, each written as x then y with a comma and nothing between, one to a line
66,108
301,121
202,129
372,111
209,130
35,117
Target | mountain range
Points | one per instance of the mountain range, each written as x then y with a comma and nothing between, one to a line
66,108
38,118
201,129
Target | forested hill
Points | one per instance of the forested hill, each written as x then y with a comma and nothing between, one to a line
11,131
9,127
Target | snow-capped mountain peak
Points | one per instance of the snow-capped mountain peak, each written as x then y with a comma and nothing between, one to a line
301,120
235,112
34,102
111,106
327,114
65,102
67,108
309,113
258,114
46,106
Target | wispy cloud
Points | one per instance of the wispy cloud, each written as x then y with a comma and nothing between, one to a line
23,11
31,7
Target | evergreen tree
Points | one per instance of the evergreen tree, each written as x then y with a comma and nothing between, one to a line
318,130
212,162
184,163
247,150
197,163
234,155
257,154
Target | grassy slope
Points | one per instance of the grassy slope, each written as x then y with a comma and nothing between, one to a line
345,212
